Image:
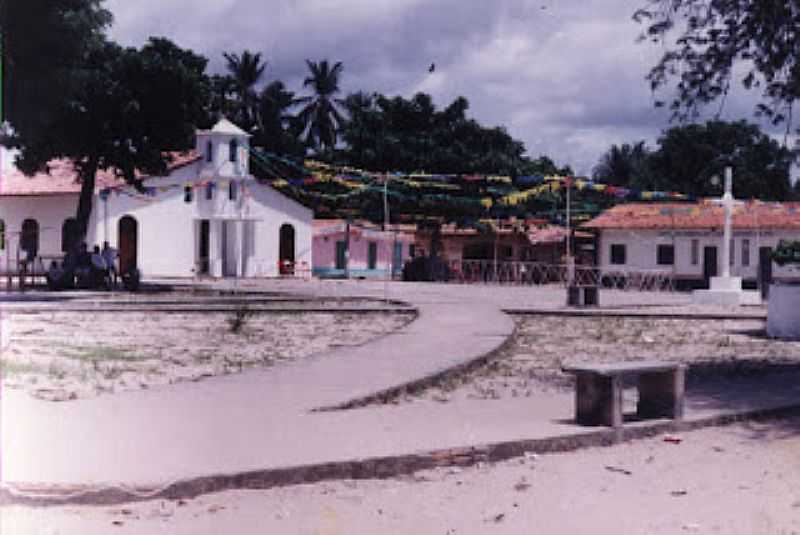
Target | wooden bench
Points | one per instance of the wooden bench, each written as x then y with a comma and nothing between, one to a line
598,390
582,295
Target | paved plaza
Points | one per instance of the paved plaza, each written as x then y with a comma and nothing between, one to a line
260,427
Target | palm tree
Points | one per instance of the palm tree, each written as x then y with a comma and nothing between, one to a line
246,70
320,117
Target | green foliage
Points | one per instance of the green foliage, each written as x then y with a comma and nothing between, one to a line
43,42
787,252
320,117
245,71
126,107
625,165
411,135
688,157
712,37
278,130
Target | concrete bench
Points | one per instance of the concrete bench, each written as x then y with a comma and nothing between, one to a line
582,295
598,390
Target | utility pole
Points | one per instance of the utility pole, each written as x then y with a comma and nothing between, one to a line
570,263
347,249
385,202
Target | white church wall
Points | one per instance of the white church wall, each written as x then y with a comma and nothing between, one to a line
49,211
166,225
272,209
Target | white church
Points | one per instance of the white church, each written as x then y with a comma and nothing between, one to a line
207,217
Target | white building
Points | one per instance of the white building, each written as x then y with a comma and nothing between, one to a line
686,240
208,216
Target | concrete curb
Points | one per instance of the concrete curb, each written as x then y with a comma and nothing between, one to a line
42,495
600,312
211,309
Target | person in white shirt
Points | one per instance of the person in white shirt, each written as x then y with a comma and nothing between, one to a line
110,256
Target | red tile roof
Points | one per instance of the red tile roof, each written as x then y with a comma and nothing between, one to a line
63,179
705,214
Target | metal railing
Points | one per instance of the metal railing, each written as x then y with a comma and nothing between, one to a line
539,273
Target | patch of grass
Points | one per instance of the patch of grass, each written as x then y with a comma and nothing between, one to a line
241,315
100,353
8,368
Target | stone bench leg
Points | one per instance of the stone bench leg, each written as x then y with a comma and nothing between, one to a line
661,394
598,400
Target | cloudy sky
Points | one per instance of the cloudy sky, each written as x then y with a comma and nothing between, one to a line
566,77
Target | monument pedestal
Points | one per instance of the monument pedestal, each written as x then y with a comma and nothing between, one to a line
726,291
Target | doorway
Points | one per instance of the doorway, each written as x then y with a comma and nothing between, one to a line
204,247
710,265
128,240
764,270
286,249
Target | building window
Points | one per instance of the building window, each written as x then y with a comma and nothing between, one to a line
745,253
234,149
372,255
209,152
695,252
732,250
2,235
209,191
188,194
665,255
618,253
232,190
411,250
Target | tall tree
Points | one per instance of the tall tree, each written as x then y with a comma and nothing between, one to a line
43,42
625,165
127,108
278,129
411,135
688,156
320,116
712,36
246,71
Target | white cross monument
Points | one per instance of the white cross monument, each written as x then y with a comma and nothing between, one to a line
725,289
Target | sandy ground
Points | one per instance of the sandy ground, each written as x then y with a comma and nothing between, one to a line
542,344
68,355
740,479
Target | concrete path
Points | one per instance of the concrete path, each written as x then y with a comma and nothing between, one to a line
263,420
236,421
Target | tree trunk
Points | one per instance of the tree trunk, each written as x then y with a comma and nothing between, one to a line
88,174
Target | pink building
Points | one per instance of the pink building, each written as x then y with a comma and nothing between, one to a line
369,253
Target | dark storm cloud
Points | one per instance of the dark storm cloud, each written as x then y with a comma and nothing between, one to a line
565,77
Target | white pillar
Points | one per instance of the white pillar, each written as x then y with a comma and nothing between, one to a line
215,241
727,202
239,248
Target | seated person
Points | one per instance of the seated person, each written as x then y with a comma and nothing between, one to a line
110,255
83,267
99,268
55,276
